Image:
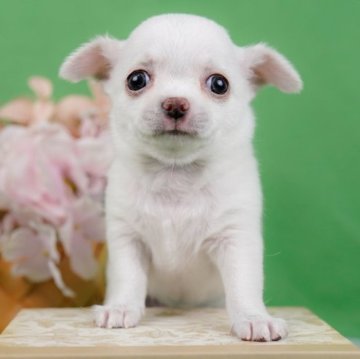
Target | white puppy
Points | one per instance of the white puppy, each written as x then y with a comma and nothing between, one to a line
183,202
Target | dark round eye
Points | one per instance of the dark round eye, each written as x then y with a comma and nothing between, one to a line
218,84
138,80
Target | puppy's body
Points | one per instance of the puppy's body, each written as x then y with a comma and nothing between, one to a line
183,201
181,215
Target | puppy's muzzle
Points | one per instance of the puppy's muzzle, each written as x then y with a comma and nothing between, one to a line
175,108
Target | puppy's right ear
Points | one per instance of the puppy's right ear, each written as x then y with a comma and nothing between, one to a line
93,59
267,66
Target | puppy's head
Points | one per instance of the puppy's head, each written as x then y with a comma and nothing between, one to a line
178,85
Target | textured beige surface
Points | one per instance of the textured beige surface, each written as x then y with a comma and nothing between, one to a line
174,329
160,326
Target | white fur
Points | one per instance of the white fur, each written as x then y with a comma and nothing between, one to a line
184,213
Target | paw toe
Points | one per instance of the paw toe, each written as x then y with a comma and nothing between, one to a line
116,316
259,328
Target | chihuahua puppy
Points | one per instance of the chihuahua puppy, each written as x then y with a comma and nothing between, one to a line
183,201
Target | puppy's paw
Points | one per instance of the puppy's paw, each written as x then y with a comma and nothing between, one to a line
259,328
117,316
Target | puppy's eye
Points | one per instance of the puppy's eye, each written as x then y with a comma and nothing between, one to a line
218,84
138,80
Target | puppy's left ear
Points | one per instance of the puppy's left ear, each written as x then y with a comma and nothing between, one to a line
93,59
265,65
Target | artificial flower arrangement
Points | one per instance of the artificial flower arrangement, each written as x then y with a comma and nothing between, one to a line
53,161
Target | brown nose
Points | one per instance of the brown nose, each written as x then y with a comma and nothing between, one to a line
176,107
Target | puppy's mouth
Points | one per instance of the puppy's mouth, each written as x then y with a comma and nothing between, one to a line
176,133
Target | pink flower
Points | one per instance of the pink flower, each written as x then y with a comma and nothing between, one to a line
70,111
3,203
41,86
43,108
19,111
81,115
95,156
84,227
26,112
84,116
52,181
31,248
7,224
36,167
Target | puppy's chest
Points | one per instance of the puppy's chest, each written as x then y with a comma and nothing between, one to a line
174,224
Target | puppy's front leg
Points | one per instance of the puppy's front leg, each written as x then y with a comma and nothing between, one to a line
239,260
126,280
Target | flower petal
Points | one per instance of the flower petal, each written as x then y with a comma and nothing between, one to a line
36,271
18,110
42,112
66,233
82,260
41,86
30,249
96,154
89,218
101,99
56,275
70,110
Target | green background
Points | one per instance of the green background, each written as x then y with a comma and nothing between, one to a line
308,145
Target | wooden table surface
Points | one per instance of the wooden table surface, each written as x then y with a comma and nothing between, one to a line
165,333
